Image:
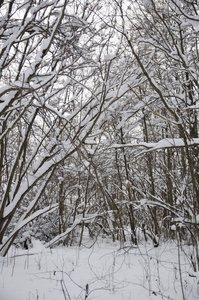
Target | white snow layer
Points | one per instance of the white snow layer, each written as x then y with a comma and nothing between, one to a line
103,271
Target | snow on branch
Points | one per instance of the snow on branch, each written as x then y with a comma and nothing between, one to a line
24,222
77,221
162,144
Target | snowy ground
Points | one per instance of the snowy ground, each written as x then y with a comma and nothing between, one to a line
105,270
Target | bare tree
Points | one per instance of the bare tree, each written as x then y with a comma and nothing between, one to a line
51,100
